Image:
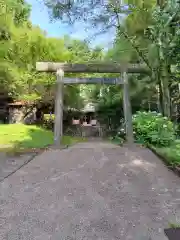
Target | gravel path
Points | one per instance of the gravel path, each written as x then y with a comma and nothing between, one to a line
92,191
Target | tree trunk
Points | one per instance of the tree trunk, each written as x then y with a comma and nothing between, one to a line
160,93
165,90
156,78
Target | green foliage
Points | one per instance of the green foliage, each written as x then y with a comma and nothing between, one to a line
117,140
22,45
171,155
148,32
48,123
174,225
110,114
153,128
19,9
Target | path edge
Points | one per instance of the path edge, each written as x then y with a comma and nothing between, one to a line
176,170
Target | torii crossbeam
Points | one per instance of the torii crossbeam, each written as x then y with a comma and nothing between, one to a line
91,67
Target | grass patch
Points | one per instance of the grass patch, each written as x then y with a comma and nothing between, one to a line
174,225
68,140
15,137
170,154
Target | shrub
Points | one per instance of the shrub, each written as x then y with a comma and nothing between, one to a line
153,128
48,122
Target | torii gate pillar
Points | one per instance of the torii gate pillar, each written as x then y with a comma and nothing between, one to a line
58,123
127,110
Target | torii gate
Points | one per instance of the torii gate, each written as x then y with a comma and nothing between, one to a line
61,68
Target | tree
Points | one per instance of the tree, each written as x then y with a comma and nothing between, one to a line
22,45
157,14
12,15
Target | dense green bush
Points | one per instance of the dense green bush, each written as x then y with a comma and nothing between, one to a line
153,128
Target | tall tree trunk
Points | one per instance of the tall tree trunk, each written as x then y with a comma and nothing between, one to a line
179,87
165,90
157,79
160,98
160,92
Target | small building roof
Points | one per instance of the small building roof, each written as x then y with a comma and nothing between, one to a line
89,107
21,103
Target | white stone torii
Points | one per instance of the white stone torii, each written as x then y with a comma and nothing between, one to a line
58,67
